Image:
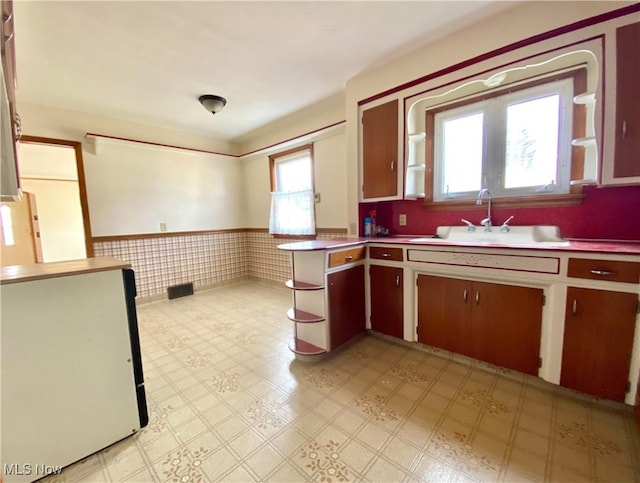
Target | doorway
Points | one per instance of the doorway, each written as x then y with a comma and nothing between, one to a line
52,170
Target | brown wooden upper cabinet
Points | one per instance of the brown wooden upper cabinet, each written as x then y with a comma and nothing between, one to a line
380,163
627,147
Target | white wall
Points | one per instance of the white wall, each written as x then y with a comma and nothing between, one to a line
330,169
331,181
132,188
329,154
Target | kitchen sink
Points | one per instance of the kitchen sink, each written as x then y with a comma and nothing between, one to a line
536,235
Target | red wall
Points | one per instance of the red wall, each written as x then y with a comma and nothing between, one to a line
611,213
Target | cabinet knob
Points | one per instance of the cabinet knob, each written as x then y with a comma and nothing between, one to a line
478,298
574,307
348,258
464,295
385,255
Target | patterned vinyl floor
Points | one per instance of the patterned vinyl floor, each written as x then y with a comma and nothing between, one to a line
228,402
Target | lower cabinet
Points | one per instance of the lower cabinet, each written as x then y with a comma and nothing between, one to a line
346,305
386,293
598,339
496,323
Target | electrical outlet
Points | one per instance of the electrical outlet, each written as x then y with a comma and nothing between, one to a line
163,226
352,228
402,219
316,197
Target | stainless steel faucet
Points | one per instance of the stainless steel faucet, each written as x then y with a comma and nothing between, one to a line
487,221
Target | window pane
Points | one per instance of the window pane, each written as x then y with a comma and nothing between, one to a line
462,153
532,142
294,175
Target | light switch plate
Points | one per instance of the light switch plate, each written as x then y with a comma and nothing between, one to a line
163,226
402,219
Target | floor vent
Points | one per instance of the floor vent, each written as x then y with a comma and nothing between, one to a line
180,290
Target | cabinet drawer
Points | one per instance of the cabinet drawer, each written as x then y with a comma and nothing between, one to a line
383,253
346,256
610,270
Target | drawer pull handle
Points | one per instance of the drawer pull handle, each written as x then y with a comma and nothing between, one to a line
393,165
464,295
348,258
397,280
477,298
574,308
385,255
604,273
624,129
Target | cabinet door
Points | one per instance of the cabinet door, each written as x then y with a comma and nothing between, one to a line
386,300
598,337
626,161
444,311
380,151
346,305
505,326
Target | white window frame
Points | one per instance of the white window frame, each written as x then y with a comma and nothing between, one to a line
281,222
494,143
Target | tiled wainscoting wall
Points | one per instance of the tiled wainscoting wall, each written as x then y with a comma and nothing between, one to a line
265,261
206,259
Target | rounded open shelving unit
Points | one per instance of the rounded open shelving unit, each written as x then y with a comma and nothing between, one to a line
297,285
304,348
308,308
297,315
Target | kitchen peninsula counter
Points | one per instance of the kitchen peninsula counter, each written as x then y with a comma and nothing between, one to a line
592,246
563,284
40,271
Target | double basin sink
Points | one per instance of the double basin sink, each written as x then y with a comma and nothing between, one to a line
535,235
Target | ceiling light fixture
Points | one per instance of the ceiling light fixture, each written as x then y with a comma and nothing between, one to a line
212,103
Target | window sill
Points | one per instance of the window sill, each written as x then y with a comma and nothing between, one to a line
542,201
293,237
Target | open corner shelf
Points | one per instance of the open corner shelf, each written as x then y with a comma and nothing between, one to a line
297,285
298,346
298,315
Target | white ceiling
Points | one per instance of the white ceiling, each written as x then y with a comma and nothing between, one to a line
149,61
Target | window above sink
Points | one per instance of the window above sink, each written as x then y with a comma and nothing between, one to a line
507,143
